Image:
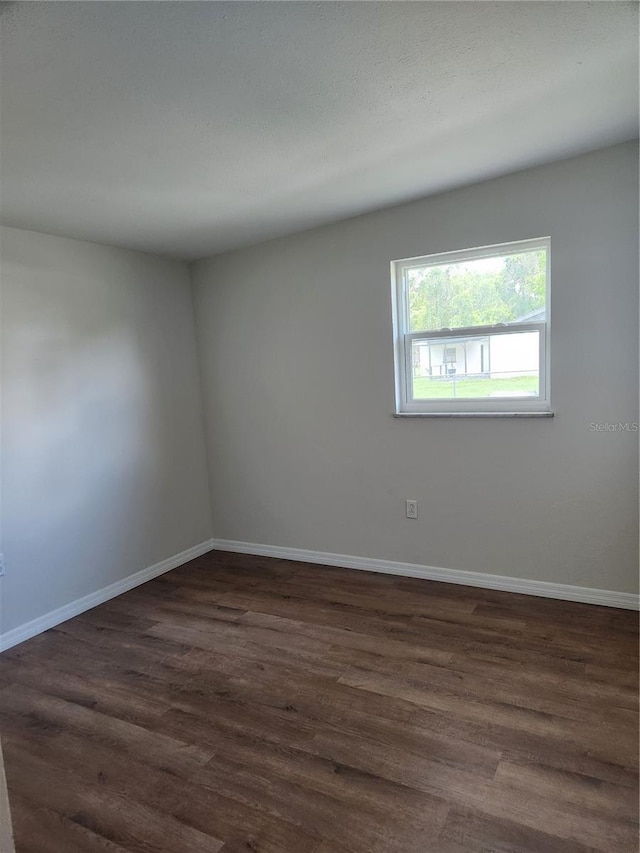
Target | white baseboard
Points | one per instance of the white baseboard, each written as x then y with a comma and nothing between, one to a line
544,589
564,592
55,617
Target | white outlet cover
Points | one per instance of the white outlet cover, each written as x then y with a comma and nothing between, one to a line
411,508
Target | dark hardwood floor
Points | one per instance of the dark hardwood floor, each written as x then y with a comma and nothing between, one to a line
252,705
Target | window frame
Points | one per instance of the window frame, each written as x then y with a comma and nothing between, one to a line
403,365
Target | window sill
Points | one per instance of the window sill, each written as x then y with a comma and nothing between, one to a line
473,414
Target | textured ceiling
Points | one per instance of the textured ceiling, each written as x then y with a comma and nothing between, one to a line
189,128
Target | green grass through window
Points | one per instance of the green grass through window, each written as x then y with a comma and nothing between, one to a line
428,388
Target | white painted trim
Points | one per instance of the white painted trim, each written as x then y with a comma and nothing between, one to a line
522,414
544,589
564,592
403,337
74,608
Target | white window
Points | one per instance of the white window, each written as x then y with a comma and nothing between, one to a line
472,331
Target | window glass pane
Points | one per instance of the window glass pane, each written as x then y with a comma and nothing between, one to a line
491,366
508,288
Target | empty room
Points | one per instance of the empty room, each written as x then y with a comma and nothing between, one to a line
319,427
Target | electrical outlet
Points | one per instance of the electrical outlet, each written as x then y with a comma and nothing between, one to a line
1,565
411,509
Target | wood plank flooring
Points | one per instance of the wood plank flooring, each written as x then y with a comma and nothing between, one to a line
252,705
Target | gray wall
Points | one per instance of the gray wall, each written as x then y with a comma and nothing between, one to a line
103,452
296,353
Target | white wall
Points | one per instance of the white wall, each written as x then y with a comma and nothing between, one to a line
103,454
296,348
